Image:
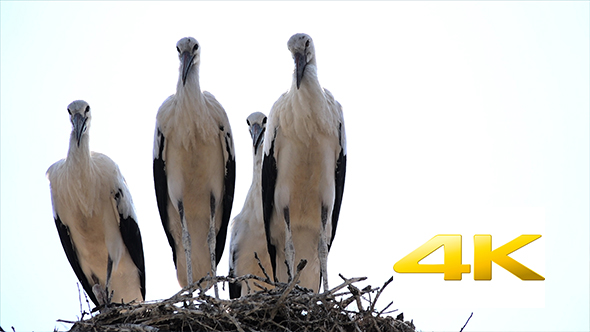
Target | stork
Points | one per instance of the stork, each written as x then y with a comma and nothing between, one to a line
95,218
194,171
247,236
303,171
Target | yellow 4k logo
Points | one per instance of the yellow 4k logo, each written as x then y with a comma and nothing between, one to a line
483,258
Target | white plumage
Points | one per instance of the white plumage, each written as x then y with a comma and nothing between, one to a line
247,236
95,218
303,171
194,171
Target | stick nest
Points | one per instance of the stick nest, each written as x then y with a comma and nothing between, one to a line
282,307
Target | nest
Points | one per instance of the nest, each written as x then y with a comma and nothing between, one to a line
282,307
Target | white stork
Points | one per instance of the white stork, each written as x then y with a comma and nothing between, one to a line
247,236
303,171
194,171
95,218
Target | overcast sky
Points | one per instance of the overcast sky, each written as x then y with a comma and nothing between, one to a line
461,118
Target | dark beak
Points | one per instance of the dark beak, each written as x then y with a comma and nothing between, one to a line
79,123
187,63
300,63
257,133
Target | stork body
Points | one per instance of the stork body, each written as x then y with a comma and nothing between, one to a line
303,172
248,236
95,218
194,171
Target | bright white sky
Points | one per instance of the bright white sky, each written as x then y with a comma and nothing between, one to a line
461,117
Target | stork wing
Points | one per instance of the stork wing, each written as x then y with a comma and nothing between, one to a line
269,180
161,185
235,288
340,171
229,181
340,174
129,228
229,184
70,249
67,243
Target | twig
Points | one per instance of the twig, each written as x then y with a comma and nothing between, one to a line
248,286
80,301
260,286
344,284
379,293
292,284
356,294
136,327
387,306
233,319
376,326
261,267
466,322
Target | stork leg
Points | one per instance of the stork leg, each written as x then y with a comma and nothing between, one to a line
99,292
211,240
108,284
186,243
323,249
289,247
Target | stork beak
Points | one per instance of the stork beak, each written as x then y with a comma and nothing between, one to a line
257,133
187,63
300,63
79,124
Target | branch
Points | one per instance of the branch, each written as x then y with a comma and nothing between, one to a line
466,322
290,287
379,293
261,267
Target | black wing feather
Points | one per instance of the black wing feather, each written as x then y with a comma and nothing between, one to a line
161,186
70,250
228,199
132,239
269,180
340,175
235,288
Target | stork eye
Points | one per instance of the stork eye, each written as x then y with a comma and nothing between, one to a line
307,43
248,122
87,109
196,47
178,49
69,112
264,120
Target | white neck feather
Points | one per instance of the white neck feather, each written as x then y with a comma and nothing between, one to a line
190,115
306,110
82,178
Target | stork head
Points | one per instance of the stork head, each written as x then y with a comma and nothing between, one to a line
189,54
257,123
303,52
80,117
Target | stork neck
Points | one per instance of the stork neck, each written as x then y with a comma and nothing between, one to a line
191,89
307,111
309,81
191,115
79,154
256,171
257,164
